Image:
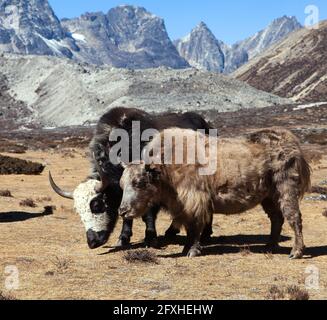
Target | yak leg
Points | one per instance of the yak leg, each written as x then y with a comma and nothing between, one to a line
207,232
289,205
193,246
277,221
126,234
173,230
149,219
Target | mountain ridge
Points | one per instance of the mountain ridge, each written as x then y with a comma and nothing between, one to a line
193,46
293,68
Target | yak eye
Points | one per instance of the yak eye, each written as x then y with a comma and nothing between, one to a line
139,184
97,206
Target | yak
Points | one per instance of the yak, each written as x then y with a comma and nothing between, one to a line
266,167
98,198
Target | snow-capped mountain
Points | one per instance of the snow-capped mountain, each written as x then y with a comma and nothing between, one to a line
127,37
31,27
275,32
202,50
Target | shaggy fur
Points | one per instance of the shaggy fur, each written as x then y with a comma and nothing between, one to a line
266,167
122,118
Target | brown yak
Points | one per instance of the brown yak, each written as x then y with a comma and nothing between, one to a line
265,167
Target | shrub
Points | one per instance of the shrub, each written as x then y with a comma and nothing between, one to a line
28,203
5,193
142,256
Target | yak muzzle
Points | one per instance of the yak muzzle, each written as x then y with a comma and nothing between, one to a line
96,239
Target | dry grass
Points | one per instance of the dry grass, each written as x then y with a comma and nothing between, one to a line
6,194
61,266
43,199
245,251
30,203
6,297
141,256
292,292
296,293
275,293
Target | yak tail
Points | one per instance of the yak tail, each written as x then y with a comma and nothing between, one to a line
304,171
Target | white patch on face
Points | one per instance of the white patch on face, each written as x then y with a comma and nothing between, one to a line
83,195
129,194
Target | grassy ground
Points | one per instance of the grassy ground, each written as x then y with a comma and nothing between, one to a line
54,261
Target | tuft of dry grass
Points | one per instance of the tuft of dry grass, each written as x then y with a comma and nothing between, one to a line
44,199
6,297
142,256
275,293
28,203
245,251
6,194
61,264
290,293
296,293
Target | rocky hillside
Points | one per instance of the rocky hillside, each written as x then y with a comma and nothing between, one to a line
13,113
295,68
125,37
31,27
202,50
61,92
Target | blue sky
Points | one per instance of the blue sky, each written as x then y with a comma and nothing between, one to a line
230,20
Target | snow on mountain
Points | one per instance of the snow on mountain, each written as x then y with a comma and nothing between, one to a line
31,27
126,37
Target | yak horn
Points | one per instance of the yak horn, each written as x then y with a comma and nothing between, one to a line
62,193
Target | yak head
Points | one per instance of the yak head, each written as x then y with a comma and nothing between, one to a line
94,209
140,185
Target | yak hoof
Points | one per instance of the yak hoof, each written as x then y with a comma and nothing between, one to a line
153,243
194,253
297,254
122,243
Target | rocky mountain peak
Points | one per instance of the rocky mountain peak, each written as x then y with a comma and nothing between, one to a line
125,37
31,27
201,49
276,31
